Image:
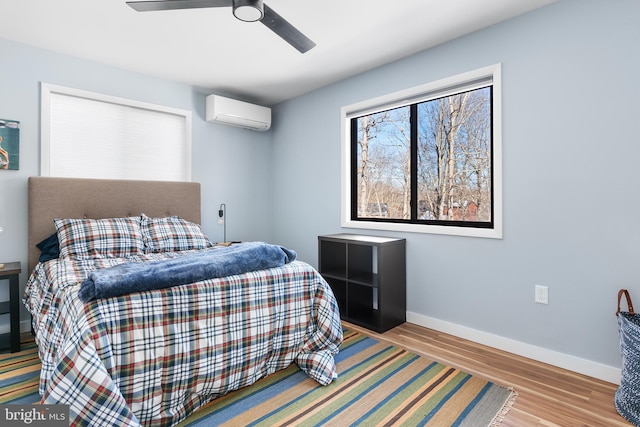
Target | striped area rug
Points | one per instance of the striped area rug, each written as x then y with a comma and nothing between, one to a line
379,385
20,374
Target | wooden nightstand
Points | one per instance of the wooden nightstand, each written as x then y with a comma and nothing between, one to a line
10,272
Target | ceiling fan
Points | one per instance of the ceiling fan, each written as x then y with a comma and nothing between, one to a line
244,10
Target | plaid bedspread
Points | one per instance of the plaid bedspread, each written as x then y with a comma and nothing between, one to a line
152,358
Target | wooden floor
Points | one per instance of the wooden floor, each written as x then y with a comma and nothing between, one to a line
547,395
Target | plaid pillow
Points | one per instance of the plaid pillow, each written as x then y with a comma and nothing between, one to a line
172,233
99,238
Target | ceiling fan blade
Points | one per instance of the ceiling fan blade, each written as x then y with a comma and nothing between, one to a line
284,29
150,6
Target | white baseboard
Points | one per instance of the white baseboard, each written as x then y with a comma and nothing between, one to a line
25,326
562,360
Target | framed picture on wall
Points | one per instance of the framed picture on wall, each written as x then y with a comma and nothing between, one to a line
9,144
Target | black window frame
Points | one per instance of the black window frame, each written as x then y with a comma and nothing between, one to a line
414,199
487,77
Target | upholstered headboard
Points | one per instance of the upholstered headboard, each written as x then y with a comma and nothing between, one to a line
51,198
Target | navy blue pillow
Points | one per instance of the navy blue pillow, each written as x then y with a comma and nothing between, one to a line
49,248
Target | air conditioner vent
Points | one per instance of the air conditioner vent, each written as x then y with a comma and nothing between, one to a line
237,113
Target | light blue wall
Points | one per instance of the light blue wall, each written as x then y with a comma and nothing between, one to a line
571,103
230,163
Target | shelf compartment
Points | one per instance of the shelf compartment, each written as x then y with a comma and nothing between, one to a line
360,263
362,304
332,256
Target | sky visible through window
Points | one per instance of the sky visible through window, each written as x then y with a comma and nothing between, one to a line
441,169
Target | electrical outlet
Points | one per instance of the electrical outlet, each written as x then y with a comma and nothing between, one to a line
542,294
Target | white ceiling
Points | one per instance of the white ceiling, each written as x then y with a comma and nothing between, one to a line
209,48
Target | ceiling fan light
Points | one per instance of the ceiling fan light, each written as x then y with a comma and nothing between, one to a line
248,10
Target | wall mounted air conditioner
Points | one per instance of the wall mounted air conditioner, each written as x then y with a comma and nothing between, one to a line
237,113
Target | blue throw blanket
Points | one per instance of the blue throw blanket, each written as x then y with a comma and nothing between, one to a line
217,262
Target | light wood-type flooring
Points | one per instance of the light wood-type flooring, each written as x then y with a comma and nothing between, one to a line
547,395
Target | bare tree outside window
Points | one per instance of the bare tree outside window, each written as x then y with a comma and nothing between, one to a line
454,157
428,162
383,173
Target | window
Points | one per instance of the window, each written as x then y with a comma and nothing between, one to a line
427,159
89,135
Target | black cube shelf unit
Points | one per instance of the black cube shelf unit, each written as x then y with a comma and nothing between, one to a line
367,274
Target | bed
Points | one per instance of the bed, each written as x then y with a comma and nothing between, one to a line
153,357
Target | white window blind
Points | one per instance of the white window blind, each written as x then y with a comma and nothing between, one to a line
90,135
